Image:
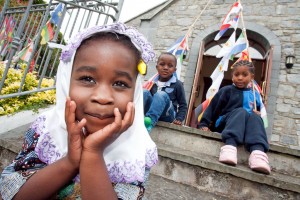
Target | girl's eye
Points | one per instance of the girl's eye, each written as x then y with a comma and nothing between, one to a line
121,84
87,79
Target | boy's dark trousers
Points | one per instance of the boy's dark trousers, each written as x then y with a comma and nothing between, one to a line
240,127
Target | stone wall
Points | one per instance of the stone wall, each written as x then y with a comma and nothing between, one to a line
164,24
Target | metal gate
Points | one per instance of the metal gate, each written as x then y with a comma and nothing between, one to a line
24,35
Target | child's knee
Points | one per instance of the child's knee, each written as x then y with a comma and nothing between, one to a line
161,94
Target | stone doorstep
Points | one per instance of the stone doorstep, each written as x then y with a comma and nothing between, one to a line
217,136
277,180
282,159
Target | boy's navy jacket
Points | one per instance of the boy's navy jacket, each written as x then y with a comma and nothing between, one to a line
174,88
226,100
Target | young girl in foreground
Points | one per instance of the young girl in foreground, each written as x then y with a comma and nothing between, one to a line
232,112
96,129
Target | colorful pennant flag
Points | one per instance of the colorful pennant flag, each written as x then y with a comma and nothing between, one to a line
230,20
180,46
214,88
25,53
245,56
239,46
222,66
2,33
148,84
263,111
47,33
57,13
199,110
10,29
227,47
178,49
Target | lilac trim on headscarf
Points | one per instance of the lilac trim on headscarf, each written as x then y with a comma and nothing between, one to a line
139,41
46,148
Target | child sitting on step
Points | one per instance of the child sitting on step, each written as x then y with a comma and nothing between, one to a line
232,113
165,101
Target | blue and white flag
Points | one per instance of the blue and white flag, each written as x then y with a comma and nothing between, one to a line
56,14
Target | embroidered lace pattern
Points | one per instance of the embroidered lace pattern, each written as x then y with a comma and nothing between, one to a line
137,39
46,150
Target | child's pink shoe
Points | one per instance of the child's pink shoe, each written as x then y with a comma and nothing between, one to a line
258,161
228,155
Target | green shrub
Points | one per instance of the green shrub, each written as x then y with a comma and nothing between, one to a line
32,101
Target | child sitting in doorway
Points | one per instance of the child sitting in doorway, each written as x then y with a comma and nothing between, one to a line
165,101
93,144
232,113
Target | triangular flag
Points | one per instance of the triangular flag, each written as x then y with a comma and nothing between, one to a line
245,56
230,20
179,65
227,47
222,66
180,46
214,88
148,84
239,46
25,53
57,13
47,33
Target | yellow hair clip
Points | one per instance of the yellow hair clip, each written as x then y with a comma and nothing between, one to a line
142,67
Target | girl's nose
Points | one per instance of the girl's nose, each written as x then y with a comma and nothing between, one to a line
102,95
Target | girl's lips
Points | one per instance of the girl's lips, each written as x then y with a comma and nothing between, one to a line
100,116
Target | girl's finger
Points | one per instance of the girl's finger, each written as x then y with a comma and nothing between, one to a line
116,125
67,109
129,116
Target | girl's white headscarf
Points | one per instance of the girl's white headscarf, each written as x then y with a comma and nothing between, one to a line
127,157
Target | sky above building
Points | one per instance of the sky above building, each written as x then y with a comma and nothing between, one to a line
132,8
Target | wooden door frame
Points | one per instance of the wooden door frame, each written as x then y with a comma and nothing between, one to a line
194,87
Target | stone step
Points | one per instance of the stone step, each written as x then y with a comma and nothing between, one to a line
159,188
190,156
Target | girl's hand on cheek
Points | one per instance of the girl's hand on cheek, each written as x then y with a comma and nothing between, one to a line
75,135
98,141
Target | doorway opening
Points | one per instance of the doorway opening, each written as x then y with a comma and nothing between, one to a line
260,52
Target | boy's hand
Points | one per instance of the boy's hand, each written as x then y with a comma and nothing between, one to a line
176,121
204,128
98,141
75,135
256,112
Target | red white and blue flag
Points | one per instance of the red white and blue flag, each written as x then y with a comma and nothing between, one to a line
180,46
230,20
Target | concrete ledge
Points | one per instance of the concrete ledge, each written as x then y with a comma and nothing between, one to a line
277,180
282,160
217,136
200,149
222,184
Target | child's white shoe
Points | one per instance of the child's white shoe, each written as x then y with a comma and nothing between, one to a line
258,161
228,155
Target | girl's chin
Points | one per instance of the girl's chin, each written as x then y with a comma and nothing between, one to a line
90,129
